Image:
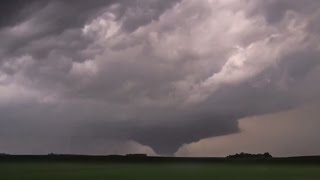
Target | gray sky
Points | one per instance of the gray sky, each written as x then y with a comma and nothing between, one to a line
156,76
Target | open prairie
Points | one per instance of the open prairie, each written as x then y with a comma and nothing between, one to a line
155,171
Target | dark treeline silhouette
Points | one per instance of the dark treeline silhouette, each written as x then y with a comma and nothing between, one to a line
136,155
143,158
250,156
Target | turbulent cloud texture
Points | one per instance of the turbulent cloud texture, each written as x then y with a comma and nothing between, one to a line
83,76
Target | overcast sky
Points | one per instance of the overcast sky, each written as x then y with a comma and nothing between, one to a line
163,77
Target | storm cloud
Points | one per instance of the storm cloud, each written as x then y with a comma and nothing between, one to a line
149,76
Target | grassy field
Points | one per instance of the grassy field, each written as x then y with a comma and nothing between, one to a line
140,171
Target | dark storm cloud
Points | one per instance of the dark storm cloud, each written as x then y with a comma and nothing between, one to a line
138,13
12,11
66,14
161,73
275,10
50,18
47,19
165,137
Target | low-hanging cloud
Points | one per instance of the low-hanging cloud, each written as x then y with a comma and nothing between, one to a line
289,133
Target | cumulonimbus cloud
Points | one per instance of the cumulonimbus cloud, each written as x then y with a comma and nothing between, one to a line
162,73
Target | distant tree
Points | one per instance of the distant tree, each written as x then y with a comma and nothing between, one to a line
267,155
250,156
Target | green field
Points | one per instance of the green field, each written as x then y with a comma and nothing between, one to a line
136,171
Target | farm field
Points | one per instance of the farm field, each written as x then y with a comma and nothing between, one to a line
155,171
